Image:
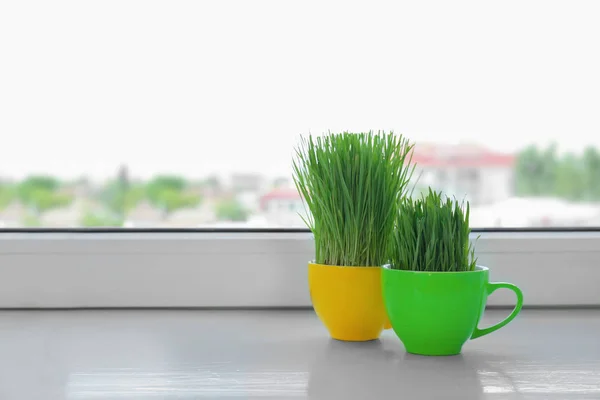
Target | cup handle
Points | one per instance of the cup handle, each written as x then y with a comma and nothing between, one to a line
491,288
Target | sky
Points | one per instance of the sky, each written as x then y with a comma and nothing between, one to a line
203,87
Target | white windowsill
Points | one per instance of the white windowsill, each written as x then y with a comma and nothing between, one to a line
197,269
285,354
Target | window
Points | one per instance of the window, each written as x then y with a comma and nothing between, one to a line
151,114
154,114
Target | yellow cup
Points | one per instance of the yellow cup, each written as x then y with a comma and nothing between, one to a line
348,300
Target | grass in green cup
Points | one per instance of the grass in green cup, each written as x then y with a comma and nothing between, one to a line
352,184
432,234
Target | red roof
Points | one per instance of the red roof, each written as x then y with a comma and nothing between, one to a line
285,194
435,155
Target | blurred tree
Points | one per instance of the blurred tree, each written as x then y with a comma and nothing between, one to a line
7,195
529,171
41,193
120,199
536,171
231,210
591,162
40,182
31,221
168,193
545,173
97,220
571,179
120,195
550,166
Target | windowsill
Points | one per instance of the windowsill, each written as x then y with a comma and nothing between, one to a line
191,354
255,269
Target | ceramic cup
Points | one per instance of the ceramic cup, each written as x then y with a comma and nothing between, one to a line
348,301
435,313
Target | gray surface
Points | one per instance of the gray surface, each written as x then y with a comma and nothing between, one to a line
284,354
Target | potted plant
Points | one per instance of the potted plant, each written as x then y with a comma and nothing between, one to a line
351,184
434,291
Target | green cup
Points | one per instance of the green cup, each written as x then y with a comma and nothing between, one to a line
435,313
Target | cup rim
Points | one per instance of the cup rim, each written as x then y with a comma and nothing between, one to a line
344,266
478,269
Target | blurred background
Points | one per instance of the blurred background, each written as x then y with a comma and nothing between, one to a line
185,114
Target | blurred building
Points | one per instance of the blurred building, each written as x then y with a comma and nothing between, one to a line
468,172
282,208
282,182
542,212
242,182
